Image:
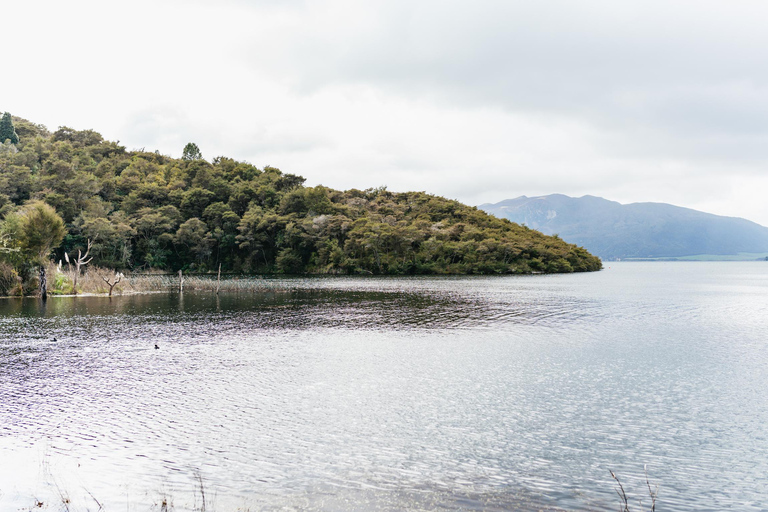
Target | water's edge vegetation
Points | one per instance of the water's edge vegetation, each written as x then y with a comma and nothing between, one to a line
99,281
142,210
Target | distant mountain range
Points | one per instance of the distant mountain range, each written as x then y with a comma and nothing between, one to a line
615,231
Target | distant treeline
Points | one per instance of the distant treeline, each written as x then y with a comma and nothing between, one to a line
144,210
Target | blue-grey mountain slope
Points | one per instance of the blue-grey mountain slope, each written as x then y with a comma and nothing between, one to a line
613,231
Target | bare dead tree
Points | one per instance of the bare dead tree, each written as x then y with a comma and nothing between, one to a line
43,283
80,261
218,280
117,278
181,282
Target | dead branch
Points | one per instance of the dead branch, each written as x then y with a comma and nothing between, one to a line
82,259
118,277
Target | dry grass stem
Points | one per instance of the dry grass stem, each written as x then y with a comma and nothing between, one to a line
623,495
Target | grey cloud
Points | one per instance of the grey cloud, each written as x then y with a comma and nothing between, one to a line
162,128
687,71
264,142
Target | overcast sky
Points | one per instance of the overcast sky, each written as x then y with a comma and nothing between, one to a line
478,101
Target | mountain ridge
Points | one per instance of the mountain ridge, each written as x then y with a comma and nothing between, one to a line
642,230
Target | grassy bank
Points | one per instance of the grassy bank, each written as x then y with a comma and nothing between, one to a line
96,281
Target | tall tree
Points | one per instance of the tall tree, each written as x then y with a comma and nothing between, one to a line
7,131
191,152
41,230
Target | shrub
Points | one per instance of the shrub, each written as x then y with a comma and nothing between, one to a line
9,279
62,284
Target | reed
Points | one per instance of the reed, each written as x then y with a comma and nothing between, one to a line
148,283
624,499
89,281
95,280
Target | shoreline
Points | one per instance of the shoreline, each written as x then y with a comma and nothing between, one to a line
168,283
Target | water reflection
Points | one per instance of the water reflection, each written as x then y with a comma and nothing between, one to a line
406,305
391,394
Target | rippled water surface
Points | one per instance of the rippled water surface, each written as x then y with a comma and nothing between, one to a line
474,393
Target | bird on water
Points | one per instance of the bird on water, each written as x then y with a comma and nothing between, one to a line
156,346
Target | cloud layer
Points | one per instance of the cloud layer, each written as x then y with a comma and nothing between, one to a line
480,101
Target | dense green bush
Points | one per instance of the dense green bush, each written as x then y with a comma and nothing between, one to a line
62,284
10,283
144,210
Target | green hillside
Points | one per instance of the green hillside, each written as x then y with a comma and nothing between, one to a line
144,210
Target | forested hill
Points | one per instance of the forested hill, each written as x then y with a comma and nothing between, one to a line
145,210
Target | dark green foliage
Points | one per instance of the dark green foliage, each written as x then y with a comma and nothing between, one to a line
77,138
146,210
7,131
195,200
191,152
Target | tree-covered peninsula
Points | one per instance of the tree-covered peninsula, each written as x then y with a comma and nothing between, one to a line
144,210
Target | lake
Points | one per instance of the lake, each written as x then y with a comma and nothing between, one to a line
425,393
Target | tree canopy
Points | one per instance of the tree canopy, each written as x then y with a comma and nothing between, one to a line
191,152
7,130
146,210
37,228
